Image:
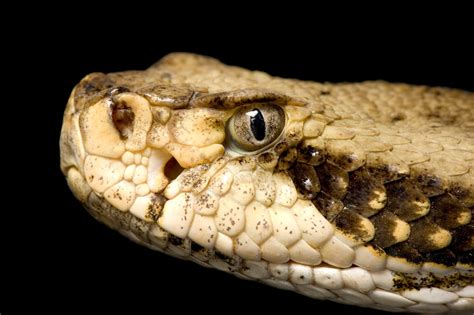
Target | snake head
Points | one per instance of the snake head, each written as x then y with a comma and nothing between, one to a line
230,167
134,140
273,179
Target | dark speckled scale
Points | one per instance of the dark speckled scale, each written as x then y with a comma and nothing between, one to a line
463,195
311,155
384,174
406,200
447,212
463,238
344,161
328,206
363,190
444,256
385,224
351,223
430,186
466,257
420,236
385,197
404,250
334,180
287,159
368,130
306,180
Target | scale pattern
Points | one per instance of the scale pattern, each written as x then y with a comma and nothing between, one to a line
366,198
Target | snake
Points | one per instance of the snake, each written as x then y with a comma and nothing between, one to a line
356,193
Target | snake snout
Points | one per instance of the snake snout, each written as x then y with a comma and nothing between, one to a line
104,152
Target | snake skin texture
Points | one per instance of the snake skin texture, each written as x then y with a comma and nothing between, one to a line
358,193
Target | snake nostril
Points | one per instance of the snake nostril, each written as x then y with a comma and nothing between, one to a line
172,169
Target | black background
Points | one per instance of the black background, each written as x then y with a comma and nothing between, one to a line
58,259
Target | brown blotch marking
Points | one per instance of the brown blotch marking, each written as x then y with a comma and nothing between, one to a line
328,206
430,185
287,159
122,218
402,199
377,248
406,281
399,282
441,114
385,224
234,262
343,161
444,257
421,231
227,100
90,87
447,212
162,94
362,190
92,90
265,157
222,256
467,258
281,147
311,155
155,209
333,179
198,249
463,239
384,173
213,123
176,241
351,223
195,247
404,250
189,178
462,194
305,179
242,160
397,117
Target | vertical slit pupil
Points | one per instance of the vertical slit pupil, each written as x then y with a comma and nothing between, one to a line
257,124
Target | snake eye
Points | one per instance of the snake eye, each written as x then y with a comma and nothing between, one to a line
255,126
